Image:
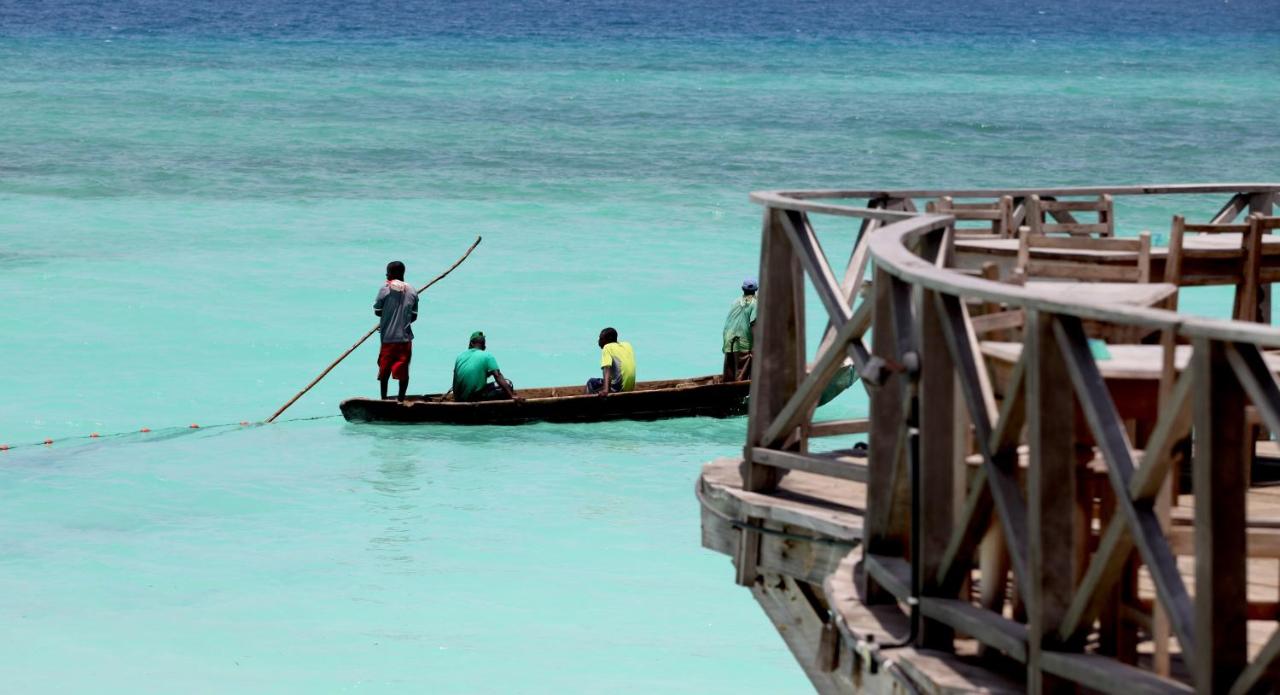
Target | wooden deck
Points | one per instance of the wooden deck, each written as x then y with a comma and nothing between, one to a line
1012,525
803,579
831,512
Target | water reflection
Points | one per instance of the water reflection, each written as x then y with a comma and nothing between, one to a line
396,482
696,430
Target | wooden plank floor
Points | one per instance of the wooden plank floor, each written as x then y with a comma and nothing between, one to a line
835,508
818,503
1262,509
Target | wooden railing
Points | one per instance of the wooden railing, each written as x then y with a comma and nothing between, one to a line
923,361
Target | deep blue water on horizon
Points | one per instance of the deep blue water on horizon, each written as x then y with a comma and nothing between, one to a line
196,203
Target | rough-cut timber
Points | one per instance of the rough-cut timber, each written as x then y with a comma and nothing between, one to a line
1037,511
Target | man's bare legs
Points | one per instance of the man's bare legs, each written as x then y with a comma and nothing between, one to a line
404,388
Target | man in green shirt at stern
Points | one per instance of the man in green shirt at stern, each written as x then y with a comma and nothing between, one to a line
737,334
471,373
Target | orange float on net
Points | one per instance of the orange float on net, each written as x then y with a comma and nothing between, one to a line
145,429
4,447
194,426
93,435
47,442
244,423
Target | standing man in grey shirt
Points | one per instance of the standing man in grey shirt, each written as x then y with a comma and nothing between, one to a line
396,306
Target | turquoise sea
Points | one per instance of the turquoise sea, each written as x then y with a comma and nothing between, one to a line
197,201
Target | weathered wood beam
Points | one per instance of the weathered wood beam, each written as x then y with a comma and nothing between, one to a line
801,629
1255,673
1231,210
938,454
1262,202
831,464
835,428
778,353
893,574
892,509
856,270
1172,427
746,558
998,321
1055,534
885,527
829,362
1013,414
1219,477
779,347
765,197
1113,442
783,202
1105,568
992,629
814,261
975,514
1000,475
1115,543
1255,377
1106,675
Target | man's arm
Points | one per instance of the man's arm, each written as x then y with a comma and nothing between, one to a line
502,384
607,374
377,302
413,315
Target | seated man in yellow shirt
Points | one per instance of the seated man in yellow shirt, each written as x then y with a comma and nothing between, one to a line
617,366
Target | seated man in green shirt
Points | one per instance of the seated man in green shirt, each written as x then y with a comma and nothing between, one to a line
471,373
617,366
738,327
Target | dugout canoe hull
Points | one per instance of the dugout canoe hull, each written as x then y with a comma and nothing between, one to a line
705,396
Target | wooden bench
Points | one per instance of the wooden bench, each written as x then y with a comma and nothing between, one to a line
1039,210
996,220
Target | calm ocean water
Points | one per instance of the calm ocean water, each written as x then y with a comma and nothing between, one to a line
196,203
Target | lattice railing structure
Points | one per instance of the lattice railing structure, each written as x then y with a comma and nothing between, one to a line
1051,447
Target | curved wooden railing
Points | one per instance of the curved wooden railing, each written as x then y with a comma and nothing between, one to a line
924,358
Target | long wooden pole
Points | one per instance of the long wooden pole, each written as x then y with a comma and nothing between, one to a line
373,330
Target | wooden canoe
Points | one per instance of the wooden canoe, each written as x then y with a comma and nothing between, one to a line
651,400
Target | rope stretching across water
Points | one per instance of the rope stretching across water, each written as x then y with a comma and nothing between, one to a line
160,432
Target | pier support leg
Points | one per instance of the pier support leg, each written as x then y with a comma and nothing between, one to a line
938,454
1054,531
1219,478
1263,203
888,490
778,354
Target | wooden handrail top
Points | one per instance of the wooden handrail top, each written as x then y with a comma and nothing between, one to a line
888,246
782,201
889,250
767,197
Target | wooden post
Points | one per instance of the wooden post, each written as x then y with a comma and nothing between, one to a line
778,350
1219,478
1262,203
938,456
884,530
777,367
1054,535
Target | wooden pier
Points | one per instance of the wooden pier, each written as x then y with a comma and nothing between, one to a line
1038,510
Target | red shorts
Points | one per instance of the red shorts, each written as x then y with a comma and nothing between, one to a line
393,361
